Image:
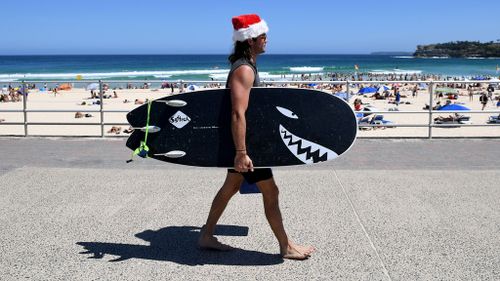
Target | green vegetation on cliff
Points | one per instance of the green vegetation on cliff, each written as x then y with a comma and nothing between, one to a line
459,49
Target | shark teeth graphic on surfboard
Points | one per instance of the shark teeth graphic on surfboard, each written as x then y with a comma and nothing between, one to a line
306,151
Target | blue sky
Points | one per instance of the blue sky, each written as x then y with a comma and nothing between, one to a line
204,27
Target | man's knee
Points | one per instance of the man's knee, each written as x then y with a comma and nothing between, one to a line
232,183
269,189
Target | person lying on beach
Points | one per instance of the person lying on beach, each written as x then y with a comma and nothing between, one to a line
450,118
115,130
378,96
138,101
4,98
2,120
78,115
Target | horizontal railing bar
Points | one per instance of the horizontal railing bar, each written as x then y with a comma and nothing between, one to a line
433,111
359,125
263,81
62,110
365,112
69,123
426,125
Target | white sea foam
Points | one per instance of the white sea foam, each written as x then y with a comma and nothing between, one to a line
403,57
306,69
262,76
103,75
395,71
268,76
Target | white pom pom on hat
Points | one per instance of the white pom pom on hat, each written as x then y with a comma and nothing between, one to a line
248,26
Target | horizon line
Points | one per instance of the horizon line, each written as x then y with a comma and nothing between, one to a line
209,54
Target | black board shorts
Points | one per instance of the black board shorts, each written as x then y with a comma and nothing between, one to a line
257,175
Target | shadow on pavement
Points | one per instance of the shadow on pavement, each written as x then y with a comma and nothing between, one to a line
179,244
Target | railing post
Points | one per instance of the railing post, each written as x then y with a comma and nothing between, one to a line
101,107
348,95
25,114
431,101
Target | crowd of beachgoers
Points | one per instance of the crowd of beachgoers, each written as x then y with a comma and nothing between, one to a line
364,90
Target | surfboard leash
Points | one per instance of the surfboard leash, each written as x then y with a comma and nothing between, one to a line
143,149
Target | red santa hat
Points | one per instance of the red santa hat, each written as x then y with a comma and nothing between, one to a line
248,26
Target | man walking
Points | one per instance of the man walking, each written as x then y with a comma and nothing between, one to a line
250,40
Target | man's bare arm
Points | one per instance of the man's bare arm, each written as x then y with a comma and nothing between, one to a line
241,83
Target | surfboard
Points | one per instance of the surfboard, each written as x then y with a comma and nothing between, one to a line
285,127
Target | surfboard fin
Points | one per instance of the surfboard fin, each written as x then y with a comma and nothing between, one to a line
173,103
172,154
151,129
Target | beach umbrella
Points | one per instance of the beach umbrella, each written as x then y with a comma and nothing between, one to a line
383,88
454,106
423,86
367,90
192,87
92,86
446,90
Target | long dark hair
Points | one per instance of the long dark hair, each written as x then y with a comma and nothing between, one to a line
241,50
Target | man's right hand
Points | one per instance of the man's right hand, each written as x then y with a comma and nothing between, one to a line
243,163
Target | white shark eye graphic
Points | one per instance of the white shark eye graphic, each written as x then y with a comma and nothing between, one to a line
288,113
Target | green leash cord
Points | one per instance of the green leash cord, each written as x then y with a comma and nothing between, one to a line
143,149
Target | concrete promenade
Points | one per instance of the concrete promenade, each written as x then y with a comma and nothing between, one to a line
72,209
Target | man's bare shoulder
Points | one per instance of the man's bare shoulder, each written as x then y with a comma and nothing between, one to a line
243,75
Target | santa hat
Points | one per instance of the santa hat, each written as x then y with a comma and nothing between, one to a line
248,26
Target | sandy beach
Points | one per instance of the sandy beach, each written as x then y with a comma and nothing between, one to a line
78,100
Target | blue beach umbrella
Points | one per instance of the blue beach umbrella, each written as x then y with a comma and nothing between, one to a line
93,86
454,106
367,90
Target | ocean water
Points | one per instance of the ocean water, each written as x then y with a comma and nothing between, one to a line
208,67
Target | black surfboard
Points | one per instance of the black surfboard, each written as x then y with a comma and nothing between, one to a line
285,126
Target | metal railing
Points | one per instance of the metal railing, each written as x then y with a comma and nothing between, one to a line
348,85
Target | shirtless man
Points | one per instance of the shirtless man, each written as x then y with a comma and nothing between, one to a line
250,40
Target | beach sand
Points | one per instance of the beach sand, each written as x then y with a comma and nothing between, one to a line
72,100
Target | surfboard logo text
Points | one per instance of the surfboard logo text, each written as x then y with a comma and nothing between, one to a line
179,119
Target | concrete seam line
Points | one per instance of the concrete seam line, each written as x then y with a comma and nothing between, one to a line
386,272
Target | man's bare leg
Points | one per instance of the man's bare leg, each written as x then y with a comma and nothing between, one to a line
288,249
228,190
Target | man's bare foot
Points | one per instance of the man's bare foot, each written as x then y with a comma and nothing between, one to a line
293,254
206,242
211,243
306,250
